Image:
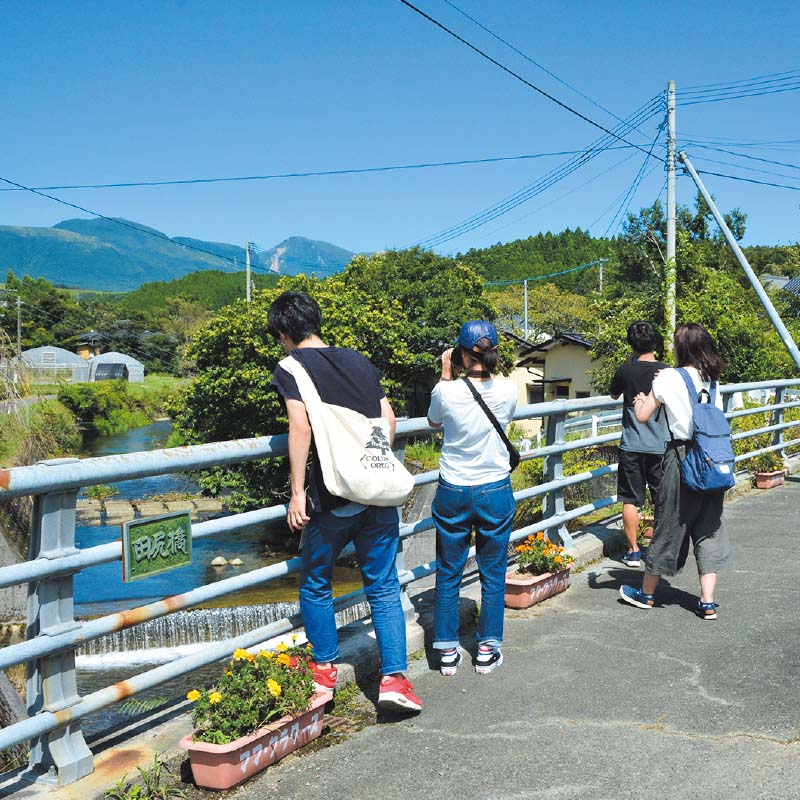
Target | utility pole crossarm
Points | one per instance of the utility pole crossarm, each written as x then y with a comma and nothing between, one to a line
783,331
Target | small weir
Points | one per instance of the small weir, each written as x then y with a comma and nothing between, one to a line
186,631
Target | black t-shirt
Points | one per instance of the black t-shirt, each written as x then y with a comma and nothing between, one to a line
342,377
631,378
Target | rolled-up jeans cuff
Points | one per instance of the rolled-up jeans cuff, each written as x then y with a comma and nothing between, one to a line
448,644
491,642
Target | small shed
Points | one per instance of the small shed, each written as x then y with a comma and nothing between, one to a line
108,366
52,364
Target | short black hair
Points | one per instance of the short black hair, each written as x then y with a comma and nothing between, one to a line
297,315
643,337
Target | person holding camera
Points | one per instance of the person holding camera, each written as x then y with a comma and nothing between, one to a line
474,491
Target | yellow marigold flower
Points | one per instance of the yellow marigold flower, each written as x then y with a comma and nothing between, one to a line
284,659
294,638
250,657
264,654
240,654
281,648
540,536
558,559
273,687
214,698
193,695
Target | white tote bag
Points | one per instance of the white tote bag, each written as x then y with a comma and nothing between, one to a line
354,453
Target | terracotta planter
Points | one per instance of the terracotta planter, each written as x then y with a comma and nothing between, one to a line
522,591
222,766
766,480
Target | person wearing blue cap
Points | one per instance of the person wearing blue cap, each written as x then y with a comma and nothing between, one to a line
474,491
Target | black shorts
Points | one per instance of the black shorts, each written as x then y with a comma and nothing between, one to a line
636,472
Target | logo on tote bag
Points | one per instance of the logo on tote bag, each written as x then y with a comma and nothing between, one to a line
377,451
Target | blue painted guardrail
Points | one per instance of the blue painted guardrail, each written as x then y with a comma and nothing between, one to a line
58,752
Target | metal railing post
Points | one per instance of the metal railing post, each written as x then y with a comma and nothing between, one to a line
60,757
399,451
777,419
553,470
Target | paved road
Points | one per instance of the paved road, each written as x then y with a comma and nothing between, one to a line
601,700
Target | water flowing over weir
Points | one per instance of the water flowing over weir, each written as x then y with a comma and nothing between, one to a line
186,631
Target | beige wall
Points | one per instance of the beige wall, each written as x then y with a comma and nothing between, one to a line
561,361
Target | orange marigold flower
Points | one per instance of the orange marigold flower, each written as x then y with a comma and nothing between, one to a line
284,659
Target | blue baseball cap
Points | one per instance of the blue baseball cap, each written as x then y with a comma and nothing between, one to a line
474,330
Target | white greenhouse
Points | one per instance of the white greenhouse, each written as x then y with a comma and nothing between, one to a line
109,366
53,364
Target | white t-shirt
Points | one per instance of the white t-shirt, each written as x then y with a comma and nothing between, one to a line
473,452
670,389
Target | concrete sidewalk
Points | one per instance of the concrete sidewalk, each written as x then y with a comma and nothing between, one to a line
598,699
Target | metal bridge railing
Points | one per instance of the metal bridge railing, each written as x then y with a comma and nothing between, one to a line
58,752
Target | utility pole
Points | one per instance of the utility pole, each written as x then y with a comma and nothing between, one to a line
525,285
783,332
247,295
601,261
19,331
670,268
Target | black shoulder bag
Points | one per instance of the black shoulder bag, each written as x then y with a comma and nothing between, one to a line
513,453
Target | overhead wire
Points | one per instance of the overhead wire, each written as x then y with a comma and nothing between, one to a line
531,60
150,232
515,75
544,277
561,197
649,109
722,98
625,205
309,174
756,78
747,180
745,167
745,155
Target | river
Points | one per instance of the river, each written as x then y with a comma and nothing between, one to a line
100,590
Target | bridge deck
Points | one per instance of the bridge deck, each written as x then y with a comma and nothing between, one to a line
598,699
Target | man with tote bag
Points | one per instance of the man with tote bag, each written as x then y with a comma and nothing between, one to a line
334,401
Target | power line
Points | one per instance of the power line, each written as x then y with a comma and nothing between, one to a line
749,169
562,196
310,174
516,75
635,184
737,96
544,277
531,60
745,155
650,108
747,180
150,232
742,80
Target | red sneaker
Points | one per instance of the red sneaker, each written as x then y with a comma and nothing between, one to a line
397,694
324,678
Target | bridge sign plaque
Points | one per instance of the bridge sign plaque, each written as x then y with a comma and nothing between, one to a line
156,544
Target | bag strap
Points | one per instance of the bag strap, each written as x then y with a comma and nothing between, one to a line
689,386
512,451
305,385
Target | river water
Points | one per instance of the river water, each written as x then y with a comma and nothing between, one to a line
100,590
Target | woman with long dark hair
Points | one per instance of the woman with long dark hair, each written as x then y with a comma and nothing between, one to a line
474,491
682,515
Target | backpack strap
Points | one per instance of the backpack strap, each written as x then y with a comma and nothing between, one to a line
690,387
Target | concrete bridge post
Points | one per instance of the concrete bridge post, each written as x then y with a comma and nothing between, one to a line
777,419
553,470
62,756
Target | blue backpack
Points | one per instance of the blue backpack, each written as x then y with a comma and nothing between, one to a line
709,464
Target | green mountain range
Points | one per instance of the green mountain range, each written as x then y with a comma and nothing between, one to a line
105,255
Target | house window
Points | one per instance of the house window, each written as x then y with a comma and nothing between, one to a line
581,395
562,392
535,394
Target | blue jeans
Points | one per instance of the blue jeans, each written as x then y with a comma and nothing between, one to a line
456,509
375,532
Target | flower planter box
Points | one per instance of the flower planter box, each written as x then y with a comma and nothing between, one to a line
766,480
523,591
222,766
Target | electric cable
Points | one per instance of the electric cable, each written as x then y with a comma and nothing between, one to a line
544,277
745,155
635,184
516,75
150,232
720,99
531,60
749,169
648,110
310,174
775,75
747,180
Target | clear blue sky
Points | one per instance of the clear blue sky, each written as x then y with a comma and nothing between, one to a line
104,92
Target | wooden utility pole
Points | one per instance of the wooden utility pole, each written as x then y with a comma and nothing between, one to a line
19,332
670,269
